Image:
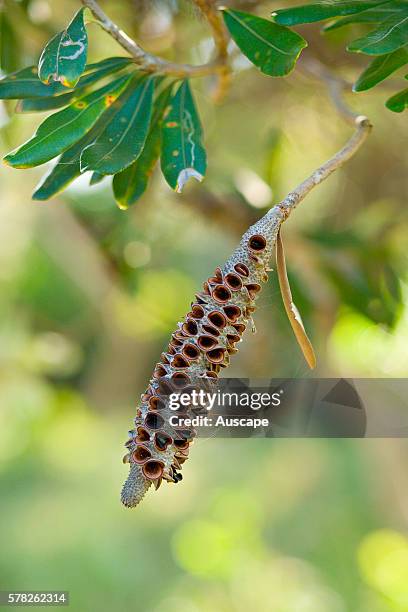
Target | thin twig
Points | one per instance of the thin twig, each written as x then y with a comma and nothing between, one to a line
152,63
363,128
279,213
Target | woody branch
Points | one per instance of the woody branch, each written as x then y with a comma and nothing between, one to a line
152,63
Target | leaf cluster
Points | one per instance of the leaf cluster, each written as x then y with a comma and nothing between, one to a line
385,42
112,119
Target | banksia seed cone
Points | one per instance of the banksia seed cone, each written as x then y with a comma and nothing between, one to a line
199,348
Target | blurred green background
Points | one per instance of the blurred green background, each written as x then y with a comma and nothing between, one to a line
89,295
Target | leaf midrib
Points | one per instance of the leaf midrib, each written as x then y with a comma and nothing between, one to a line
38,142
247,27
136,111
386,34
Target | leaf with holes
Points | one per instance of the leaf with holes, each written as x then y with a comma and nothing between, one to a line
272,48
183,155
130,185
95,73
318,11
61,130
389,36
26,84
64,57
399,102
381,68
127,124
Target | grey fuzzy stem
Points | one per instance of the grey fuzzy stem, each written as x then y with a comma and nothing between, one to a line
362,129
135,487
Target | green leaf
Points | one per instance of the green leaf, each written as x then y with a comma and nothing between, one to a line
130,185
26,84
64,57
30,105
96,178
95,72
389,36
398,102
63,129
372,15
381,68
127,124
318,11
273,48
68,167
183,155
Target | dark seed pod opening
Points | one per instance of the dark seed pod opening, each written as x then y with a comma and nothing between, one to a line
142,435
179,362
232,312
207,342
180,380
181,444
241,269
171,350
197,311
257,242
186,435
155,403
206,288
190,327
164,359
162,440
240,327
221,294
141,454
216,355
233,281
159,371
153,469
216,278
210,374
253,289
233,338
191,351
153,420
210,329
217,319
